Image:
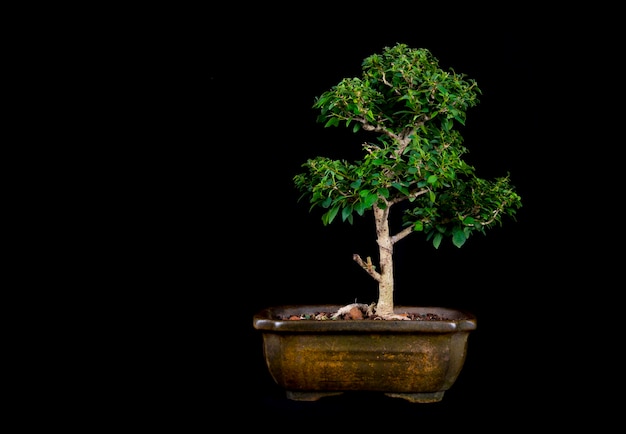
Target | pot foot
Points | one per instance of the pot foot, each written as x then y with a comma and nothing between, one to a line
309,396
421,398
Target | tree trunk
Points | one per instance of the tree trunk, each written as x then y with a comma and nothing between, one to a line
384,306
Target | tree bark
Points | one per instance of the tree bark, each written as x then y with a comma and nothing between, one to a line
384,307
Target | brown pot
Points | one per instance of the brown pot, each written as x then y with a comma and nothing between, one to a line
414,360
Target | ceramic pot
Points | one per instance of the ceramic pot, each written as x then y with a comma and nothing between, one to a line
414,360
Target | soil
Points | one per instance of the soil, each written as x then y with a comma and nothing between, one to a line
361,312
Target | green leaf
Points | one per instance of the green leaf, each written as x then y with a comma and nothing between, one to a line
371,199
437,240
345,213
332,213
458,237
401,188
332,122
360,208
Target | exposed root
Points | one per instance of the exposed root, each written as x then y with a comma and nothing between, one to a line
354,311
395,316
365,311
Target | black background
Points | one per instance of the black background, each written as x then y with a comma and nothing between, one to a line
225,235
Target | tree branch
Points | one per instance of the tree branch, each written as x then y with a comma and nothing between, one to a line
367,266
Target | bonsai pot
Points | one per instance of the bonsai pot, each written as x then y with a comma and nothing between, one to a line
417,360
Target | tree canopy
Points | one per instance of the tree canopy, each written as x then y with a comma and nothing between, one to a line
413,107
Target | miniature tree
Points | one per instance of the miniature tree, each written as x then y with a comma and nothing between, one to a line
413,106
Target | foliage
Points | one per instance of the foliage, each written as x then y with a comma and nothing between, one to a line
413,106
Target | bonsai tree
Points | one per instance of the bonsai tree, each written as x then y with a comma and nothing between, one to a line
413,107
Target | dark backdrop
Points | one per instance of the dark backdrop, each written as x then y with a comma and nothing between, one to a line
227,236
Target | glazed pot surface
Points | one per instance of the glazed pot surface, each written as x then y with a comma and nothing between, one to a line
417,360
